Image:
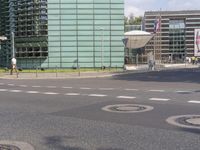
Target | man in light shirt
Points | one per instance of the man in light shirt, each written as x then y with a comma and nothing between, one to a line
13,65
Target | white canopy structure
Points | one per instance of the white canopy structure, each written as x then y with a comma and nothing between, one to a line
2,38
137,39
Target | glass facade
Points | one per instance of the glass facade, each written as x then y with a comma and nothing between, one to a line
177,46
70,33
176,35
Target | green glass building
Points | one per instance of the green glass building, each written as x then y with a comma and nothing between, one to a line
63,33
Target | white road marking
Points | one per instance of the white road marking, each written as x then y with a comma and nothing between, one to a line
85,88
106,89
23,85
50,93
32,92
36,86
64,87
131,89
11,85
194,101
72,94
2,84
126,97
183,91
51,86
3,90
156,90
159,99
97,95
15,91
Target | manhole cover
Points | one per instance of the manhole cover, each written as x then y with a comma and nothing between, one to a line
185,121
127,108
8,147
15,145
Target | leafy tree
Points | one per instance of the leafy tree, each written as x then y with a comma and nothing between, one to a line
131,20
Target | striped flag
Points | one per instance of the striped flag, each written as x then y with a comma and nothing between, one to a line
157,25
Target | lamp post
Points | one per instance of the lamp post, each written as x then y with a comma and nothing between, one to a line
102,40
13,44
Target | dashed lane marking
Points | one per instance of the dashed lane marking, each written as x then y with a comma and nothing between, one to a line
156,90
15,91
2,84
32,92
72,94
159,99
106,89
64,87
23,86
51,87
131,90
3,90
11,85
85,88
97,95
50,93
36,86
194,101
126,97
183,91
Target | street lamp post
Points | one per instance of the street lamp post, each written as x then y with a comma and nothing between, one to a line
13,44
102,40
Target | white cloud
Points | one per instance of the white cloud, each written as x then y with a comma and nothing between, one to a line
134,10
138,7
184,5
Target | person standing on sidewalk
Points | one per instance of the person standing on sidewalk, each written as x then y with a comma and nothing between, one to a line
13,65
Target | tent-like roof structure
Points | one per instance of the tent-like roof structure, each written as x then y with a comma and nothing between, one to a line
137,39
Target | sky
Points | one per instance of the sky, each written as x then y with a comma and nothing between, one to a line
138,7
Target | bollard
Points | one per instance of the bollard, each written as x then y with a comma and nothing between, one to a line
36,72
79,72
56,71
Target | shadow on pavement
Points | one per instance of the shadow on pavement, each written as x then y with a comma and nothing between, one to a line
194,131
178,75
57,142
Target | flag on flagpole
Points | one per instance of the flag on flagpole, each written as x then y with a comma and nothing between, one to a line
157,25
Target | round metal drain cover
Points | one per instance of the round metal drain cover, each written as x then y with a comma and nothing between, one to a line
127,108
8,147
15,145
185,121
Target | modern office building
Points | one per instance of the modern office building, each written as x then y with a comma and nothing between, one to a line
177,34
63,33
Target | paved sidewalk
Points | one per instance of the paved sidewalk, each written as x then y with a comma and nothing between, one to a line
94,74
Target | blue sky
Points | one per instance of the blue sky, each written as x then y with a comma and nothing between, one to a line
138,7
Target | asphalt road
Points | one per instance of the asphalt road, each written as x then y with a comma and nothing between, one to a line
67,114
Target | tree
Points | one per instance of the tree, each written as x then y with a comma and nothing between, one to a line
131,20
126,20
